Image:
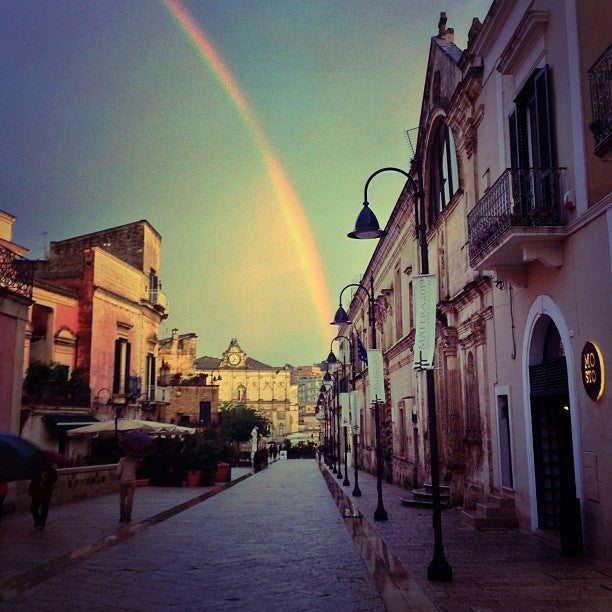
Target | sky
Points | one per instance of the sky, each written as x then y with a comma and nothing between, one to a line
243,131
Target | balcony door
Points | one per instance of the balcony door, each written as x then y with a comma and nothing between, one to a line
532,153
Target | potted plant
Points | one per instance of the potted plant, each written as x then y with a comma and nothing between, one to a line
201,458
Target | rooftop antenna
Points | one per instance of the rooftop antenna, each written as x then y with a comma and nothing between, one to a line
45,245
411,138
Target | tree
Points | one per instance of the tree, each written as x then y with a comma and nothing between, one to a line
236,422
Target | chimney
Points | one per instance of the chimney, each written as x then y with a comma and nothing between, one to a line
448,34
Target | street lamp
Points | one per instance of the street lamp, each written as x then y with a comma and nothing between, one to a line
331,359
324,399
367,226
335,402
341,318
326,424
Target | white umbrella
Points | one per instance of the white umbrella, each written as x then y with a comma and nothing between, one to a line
106,429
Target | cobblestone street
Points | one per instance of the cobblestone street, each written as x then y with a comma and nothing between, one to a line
277,539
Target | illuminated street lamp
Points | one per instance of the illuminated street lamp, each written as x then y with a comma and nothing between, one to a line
341,318
367,226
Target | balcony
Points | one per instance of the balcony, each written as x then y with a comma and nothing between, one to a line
159,394
16,273
158,299
600,75
65,395
520,219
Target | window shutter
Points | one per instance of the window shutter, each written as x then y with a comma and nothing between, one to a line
543,107
126,376
514,139
117,367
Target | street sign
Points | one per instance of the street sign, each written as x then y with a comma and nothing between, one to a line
375,374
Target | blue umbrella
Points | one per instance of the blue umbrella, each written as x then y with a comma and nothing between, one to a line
19,458
137,443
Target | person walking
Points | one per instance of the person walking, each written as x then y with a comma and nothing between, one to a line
127,483
41,490
3,492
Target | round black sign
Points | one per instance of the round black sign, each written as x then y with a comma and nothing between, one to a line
592,369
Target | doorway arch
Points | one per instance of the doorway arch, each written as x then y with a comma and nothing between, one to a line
551,420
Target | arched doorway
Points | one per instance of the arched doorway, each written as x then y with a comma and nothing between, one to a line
558,508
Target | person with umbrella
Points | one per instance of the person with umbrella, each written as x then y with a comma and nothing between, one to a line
126,469
41,490
136,444
3,492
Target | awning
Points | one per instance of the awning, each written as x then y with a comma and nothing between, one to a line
65,421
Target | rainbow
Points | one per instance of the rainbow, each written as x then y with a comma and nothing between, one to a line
292,212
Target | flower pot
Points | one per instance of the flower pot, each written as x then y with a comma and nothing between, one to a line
192,479
223,472
208,477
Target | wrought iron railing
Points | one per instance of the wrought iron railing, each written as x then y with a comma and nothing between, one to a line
158,298
521,197
600,77
16,273
58,395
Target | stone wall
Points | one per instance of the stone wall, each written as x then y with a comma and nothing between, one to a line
72,484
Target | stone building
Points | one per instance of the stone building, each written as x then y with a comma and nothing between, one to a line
308,380
98,306
16,280
237,378
267,389
179,353
193,396
508,203
540,227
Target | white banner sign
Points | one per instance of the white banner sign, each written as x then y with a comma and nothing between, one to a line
345,413
375,374
425,298
355,421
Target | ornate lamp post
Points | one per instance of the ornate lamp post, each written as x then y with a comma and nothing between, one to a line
341,318
331,359
335,402
338,452
324,396
367,226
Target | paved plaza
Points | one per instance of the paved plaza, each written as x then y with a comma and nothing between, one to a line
290,537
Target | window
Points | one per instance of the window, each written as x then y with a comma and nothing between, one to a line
205,413
530,123
154,287
121,371
241,393
443,171
601,103
402,429
150,377
397,295
532,145
410,305
505,446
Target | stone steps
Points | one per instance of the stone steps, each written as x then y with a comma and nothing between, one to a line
495,512
422,498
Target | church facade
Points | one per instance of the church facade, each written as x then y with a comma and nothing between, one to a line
241,379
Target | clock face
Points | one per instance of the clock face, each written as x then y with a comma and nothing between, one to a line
234,358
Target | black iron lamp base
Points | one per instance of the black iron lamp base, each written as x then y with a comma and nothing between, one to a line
439,571
380,514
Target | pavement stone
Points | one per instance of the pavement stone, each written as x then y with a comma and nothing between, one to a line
493,569
273,539
277,538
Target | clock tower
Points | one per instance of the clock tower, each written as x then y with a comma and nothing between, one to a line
234,356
